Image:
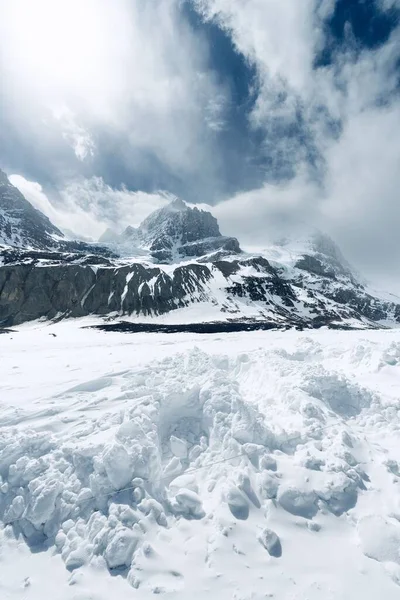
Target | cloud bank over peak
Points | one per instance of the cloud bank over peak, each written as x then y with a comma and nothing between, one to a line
88,207
268,111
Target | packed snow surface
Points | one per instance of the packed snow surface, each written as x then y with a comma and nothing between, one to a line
232,466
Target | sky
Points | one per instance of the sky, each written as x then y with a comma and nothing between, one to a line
270,111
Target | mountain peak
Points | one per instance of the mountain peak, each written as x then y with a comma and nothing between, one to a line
177,204
178,230
3,178
21,224
173,232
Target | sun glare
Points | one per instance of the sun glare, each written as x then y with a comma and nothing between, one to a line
56,43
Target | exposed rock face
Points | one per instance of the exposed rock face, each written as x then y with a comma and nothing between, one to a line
39,287
173,232
28,292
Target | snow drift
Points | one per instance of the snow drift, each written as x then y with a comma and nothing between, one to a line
237,471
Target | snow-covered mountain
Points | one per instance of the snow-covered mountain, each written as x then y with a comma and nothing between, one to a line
22,225
177,266
172,233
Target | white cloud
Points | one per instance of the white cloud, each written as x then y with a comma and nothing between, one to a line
33,192
90,206
272,34
128,68
75,135
108,207
361,207
259,217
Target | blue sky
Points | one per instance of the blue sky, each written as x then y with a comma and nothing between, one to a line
269,108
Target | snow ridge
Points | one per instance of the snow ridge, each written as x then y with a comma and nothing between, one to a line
218,457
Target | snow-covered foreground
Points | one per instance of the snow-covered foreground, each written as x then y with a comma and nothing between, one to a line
235,466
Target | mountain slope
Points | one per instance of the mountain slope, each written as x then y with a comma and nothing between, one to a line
174,232
22,225
25,228
247,288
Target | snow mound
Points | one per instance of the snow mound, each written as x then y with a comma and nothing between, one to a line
182,472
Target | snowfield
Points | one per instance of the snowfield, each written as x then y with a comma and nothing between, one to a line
232,467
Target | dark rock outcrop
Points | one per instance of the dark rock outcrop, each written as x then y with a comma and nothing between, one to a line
28,292
175,231
52,289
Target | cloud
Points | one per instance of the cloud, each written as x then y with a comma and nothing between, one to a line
360,207
127,77
75,135
88,207
345,153
33,192
259,217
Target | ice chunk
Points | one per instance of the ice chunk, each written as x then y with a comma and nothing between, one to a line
340,494
268,462
118,466
15,511
268,485
120,549
174,467
42,502
246,487
271,542
190,503
298,502
338,393
178,447
238,504
77,558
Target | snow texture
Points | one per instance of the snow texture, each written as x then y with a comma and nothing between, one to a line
232,466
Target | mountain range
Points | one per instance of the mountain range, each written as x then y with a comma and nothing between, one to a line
176,266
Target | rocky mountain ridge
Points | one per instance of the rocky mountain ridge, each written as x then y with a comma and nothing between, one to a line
173,233
307,284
